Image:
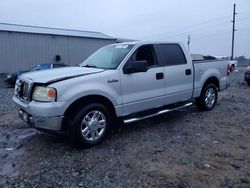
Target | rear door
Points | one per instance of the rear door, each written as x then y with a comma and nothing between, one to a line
178,73
143,90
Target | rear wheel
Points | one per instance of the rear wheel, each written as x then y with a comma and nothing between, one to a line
90,125
208,97
248,83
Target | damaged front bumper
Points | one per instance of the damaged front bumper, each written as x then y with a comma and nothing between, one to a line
46,116
47,123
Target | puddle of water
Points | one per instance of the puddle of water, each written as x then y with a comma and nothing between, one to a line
27,135
9,163
7,169
11,153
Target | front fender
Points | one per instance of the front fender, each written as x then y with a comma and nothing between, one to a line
97,84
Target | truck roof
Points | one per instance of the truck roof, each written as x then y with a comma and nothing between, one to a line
150,42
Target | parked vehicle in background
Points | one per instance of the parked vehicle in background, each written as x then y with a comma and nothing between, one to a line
233,63
10,78
199,57
132,81
247,75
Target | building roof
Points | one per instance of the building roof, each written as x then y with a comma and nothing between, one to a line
52,31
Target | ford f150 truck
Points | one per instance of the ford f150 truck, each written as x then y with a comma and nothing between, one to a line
131,81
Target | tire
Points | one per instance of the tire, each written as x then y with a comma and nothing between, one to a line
208,98
248,83
90,125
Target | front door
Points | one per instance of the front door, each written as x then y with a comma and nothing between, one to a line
143,90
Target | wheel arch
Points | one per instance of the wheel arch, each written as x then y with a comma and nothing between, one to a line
78,103
212,80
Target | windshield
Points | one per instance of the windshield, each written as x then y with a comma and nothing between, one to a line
108,57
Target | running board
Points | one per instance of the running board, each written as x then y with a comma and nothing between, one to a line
156,114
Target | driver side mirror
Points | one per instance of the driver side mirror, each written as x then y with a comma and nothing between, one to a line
135,66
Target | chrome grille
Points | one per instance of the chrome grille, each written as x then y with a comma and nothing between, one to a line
22,90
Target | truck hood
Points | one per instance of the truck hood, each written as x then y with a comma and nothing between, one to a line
58,74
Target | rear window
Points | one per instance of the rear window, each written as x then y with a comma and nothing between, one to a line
172,54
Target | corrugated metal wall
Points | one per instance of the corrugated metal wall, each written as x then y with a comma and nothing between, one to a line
25,50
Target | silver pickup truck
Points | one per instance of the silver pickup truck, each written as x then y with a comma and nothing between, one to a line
131,81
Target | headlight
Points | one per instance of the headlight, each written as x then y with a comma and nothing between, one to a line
44,94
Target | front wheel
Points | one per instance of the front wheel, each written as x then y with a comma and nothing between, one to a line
208,97
90,125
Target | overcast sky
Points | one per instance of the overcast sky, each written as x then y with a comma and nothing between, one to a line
207,21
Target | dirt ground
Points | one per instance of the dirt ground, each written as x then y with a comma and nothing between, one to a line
185,148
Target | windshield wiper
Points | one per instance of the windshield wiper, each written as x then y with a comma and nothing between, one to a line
93,66
90,65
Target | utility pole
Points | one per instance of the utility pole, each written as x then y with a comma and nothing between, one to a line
188,43
232,50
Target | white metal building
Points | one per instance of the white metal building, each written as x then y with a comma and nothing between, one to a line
22,47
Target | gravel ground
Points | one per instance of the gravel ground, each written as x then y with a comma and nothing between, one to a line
186,148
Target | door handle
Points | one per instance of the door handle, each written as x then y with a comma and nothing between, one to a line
159,75
188,72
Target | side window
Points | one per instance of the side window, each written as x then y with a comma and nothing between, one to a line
145,52
172,54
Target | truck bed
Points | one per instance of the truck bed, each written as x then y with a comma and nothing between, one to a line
208,68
